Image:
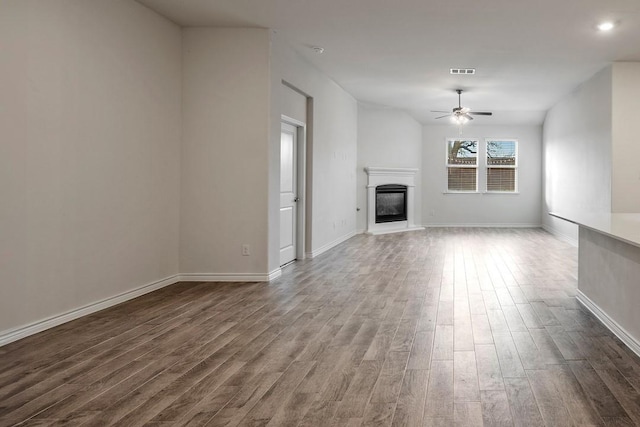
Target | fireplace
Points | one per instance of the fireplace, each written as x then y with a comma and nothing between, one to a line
391,203
391,200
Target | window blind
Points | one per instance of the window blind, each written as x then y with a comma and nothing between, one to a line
501,179
462,179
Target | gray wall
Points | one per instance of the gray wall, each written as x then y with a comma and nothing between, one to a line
481,209
293,104
625,100
90,154
387,138
224,192
232,105
332,150
608,270
577,154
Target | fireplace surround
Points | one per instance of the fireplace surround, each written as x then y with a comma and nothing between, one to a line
390,189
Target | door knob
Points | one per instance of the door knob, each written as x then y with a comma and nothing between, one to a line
295,200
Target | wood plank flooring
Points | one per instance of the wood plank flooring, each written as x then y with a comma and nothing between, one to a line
434,328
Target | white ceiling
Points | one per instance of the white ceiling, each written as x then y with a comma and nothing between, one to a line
528,54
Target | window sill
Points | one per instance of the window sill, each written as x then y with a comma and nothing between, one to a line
508,193
460,192
502,192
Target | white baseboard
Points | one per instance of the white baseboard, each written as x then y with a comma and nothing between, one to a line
15,334
565,238
275,274
330,245
480,225
230,277
613,326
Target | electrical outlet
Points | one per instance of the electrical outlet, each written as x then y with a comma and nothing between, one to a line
246,250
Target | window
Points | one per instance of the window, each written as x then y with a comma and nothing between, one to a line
462,165
502,164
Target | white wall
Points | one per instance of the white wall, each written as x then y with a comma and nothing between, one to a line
577,154
625,101
293,104
89,158
224,151
521,209
332,147
387,138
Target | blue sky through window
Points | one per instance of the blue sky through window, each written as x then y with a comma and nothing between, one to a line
501,149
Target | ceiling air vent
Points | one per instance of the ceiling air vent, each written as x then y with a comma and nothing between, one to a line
462,71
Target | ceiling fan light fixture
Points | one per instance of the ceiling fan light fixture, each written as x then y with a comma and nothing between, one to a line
459,119
461,115
606,26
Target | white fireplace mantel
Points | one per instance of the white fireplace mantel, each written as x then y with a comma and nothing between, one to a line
382,176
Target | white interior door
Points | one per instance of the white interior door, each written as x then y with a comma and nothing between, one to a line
288,193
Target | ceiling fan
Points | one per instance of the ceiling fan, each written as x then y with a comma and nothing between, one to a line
460,115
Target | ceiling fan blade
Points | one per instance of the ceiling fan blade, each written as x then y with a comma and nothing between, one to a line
461,112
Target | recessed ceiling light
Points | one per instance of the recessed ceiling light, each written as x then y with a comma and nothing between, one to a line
606,26
317,49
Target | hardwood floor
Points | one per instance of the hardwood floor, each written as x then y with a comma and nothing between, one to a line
435,328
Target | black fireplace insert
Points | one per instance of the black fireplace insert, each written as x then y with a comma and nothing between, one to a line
391,203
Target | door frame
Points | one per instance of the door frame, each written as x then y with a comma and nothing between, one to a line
301,175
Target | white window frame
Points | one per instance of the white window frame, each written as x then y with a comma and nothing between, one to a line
447,165
487,166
